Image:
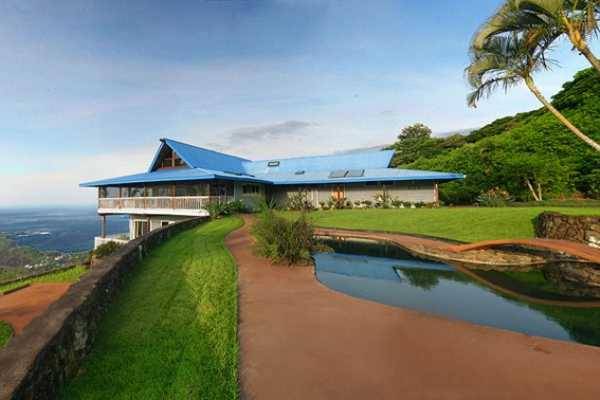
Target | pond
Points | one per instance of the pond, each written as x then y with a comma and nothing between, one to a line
388,275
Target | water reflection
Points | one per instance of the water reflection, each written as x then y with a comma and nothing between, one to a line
438,288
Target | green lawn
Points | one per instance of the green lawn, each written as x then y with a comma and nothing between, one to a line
5,333
467,224
172,331
68,276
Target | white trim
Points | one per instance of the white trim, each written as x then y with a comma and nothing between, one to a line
155,211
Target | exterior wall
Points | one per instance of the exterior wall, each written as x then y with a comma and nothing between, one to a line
413,192
251,201
154,220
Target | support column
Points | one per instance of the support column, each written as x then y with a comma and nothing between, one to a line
436,194
103,226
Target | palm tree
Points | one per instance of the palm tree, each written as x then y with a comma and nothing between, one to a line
505,61
577,19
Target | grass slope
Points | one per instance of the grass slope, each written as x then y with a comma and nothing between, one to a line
5,333
69,276
172,332
464,224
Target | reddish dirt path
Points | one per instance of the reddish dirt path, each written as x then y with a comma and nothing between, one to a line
579,250
21,307
419,244
300,340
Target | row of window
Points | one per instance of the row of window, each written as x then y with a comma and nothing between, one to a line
177,190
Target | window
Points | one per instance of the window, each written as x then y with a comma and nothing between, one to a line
250,189
165,223
198,189
133,191
273,164
109,192
159,191
221,189
170,159
300,172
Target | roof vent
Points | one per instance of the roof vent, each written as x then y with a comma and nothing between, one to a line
300,172
273,164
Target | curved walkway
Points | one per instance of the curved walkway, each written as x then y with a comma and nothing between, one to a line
301,340
471,252
575,249
21,307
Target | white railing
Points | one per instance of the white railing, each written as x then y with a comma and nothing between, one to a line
120,238
181,203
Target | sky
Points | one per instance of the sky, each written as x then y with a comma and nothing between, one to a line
88,87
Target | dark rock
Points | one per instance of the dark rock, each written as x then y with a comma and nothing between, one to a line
576,228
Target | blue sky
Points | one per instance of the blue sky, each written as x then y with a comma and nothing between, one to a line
88,87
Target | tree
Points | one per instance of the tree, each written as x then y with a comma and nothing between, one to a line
546,19
505,61
414,141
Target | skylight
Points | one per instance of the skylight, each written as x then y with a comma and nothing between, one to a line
273,164
355,173
300,172
339,173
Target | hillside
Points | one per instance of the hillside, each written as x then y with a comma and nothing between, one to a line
531,146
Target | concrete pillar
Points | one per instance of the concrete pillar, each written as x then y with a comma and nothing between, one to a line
103,226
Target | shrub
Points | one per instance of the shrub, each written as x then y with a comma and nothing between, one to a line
283,240
337,203
383,199
397,203
217,209
494,197
299,201
357,204
105,249
367,203
324,205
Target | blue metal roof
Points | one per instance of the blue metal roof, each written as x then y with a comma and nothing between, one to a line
370,175
366,160
207,164
198,157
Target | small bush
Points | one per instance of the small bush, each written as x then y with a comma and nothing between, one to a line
337,203
105,249
367,203
494,197
299,201
397,203
283,240
357,204
217,209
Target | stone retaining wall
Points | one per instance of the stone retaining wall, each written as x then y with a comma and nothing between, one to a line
576,228
50,349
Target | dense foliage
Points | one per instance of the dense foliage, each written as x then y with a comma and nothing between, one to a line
12,255
284,240
530,149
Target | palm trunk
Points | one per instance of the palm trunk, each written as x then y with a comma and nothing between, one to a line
580,43
531,85
587,53
530,186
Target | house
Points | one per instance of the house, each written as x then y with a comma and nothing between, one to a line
183,179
